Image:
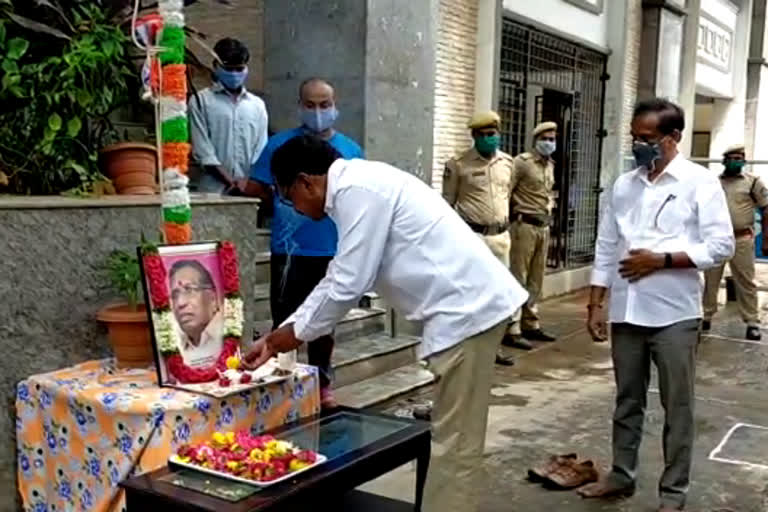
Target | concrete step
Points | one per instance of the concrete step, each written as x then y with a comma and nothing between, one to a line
261,268
358,322
367,356
384,387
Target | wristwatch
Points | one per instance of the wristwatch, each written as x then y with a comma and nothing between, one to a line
667,260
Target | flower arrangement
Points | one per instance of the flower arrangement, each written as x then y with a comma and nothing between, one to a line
167,336
258,458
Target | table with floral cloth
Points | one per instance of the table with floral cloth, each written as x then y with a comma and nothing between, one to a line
82,430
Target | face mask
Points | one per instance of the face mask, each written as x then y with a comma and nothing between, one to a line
734,167
546,147
646,154
487,144
232,80
319,119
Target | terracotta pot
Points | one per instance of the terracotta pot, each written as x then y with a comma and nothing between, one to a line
128,334
131,166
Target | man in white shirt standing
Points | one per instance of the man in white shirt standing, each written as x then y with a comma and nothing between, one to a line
664,222
398,236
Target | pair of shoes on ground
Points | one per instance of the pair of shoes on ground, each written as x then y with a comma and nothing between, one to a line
562,472
522,340
604,488
753,332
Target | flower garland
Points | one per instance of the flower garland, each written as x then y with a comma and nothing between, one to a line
166,334
174,129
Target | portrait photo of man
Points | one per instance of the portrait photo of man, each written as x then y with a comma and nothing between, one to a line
197,308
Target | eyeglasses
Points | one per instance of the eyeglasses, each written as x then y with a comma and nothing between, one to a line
188,290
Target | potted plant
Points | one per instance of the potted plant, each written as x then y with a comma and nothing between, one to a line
132,167
127,322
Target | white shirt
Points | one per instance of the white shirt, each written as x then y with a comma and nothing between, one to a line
211,343
684,210
228,131
399,237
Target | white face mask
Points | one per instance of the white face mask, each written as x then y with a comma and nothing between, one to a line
546,147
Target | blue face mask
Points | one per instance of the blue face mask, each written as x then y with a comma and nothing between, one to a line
319,119
232,80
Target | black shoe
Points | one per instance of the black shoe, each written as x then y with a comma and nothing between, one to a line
515,341
753,334
706,325
536,335
423,412
503,360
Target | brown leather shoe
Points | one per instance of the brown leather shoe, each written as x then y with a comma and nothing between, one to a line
541,472
571,475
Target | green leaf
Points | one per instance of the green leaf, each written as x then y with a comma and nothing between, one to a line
73,126
83,98
17,91
37,26
10,66
17,47
2,31
10,80
54,122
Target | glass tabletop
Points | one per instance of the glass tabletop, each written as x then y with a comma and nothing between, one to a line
337,435
333,436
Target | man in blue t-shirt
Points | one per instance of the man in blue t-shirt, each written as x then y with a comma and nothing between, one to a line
301,247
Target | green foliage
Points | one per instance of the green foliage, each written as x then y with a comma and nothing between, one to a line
64,69
125,276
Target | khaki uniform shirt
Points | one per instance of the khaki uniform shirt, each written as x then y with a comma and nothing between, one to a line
743,193
532,180
479,188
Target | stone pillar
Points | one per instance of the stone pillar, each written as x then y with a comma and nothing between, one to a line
489,26
756,122
687,96
380,56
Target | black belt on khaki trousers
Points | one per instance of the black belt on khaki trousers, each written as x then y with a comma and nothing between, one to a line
540,221
495,229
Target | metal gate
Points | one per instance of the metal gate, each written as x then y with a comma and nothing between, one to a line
547,78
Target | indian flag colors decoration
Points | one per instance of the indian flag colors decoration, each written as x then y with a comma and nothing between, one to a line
174,125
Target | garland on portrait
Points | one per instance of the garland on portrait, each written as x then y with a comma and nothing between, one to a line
167,335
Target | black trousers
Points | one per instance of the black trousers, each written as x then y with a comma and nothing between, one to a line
293,279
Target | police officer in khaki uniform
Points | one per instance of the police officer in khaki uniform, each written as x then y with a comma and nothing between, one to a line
744,192
533,177
477,184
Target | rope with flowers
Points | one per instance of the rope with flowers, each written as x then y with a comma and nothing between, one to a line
174,126
166,333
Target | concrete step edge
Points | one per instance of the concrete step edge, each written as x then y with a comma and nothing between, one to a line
380,389
399,343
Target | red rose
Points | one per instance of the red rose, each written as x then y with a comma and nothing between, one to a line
229,349
157,277
230,275
187,375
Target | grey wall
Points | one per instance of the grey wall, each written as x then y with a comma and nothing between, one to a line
400,83
306,38
379,54
52,285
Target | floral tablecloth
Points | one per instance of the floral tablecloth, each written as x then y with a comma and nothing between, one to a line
84,429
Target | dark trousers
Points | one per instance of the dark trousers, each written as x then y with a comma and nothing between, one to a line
673,350
293,279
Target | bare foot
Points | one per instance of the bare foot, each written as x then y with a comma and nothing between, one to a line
604,488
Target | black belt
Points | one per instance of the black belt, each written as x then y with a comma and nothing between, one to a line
493,230
540,221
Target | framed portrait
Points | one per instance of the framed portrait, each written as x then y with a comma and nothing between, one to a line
192,292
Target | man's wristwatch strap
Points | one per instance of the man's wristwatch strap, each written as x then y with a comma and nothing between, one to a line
667,260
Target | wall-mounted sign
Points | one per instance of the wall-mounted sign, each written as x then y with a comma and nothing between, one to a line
715,44
594,6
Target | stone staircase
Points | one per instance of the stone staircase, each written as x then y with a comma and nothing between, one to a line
375,355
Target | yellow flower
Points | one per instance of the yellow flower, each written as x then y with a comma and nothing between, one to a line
256,455
230,437
297,465
219,438
233,363
233,465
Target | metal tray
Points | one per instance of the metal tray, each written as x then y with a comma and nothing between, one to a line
174,462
